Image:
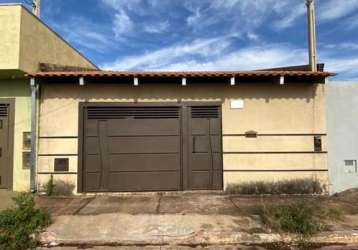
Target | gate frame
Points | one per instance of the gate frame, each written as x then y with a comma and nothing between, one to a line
183,105
11,125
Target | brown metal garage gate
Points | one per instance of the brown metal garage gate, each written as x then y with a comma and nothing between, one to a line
150,147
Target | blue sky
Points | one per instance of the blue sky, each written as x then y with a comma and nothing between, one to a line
206,34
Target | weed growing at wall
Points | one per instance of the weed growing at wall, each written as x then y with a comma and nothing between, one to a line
302,218
298,186
58,187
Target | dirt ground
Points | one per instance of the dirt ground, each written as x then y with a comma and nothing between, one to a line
6,199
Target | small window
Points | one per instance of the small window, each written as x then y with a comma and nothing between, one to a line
26,160
26,141
351,166
61,164
317,143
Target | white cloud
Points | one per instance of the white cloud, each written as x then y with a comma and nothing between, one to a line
81,32
344,45
123,4
157,27
334,9
344,66
296,11
253,36
122,24
161,58
211,54
198,55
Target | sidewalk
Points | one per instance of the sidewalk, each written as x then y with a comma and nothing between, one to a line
190,220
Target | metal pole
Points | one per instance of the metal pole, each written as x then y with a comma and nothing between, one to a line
311,18
34,90
36,7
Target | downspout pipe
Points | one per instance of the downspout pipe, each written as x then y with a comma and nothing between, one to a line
312,41
34,93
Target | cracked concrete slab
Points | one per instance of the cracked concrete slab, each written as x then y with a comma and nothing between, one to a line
136,204
148,229
197,204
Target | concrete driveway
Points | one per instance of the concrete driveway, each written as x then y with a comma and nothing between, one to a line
174,219
157,219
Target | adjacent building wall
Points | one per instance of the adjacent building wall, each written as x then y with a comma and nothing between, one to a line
342,114
287,116
25,41
20,91
38,43
10,17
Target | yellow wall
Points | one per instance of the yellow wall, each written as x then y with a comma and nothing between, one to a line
268,109
25,41
19,89
10,17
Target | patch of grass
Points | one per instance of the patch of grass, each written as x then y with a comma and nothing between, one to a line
301,217
298,186
20,225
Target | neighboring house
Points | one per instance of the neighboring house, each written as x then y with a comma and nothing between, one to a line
25,42
159,131
342,113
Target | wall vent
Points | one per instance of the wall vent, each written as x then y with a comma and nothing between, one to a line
117,112
205,112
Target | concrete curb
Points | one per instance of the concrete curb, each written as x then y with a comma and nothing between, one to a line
206,239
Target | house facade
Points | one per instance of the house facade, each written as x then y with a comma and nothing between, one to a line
164,131
25,43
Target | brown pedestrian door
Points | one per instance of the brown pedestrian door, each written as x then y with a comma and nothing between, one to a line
5,146
205,157
145,148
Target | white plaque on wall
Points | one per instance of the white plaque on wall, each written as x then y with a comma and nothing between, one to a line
237,104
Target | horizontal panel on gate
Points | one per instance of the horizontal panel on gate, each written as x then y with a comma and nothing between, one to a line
144,162
135,112
200,180
163,144
202,161
205,112
144,181
201,144
91,128
93,163
131,127
92,181
201,126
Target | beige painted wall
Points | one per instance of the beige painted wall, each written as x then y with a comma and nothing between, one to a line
25,41
268,109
